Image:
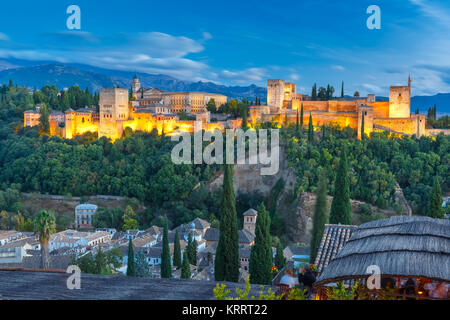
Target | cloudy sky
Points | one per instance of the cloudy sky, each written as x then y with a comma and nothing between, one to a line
244,42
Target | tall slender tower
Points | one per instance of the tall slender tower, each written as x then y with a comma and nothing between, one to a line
113,106
136,85
250,220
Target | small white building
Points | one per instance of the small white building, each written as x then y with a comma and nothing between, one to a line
84,214
73,239
7,236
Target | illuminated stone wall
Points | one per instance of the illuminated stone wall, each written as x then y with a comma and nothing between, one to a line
75,123
411,125
344,106
380,109
343,119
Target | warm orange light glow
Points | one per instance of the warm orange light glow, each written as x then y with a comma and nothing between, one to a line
87,127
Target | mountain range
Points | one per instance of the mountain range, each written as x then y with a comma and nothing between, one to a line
36,74
40,73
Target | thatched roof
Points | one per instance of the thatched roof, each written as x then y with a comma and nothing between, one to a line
400,246
334,237
26,285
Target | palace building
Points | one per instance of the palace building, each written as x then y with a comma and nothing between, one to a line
156,110
177,102
394,115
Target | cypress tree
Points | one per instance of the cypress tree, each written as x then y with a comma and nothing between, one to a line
320,216
142,266
285,120
244,119
131,265
43,119
342,89
362,126
435,203
314,93
185,269
297,123
192,250
341,210
301,117
177,251
310,130
261,253
226,266
166,267
280,260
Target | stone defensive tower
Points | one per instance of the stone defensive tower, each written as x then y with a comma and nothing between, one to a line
367,112
113,106
69,116
275,94
400,101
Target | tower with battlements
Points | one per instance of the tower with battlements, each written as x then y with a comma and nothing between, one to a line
113,105
400,101
275,94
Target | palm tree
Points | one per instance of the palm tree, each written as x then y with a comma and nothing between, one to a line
45,225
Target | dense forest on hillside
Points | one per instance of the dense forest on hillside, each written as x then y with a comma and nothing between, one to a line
376,164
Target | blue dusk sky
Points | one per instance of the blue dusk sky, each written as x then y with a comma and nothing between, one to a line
244,42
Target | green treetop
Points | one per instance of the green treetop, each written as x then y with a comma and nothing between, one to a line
185,269
142,266
435,203
301,116
280,260
261,252
314,93
131,265
45,225
43,120
320,216
362,126
310,130
177,251
166,266
226,266
192,250
341,210
129,219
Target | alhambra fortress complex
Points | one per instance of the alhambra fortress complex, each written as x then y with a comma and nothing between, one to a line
394,115
155,109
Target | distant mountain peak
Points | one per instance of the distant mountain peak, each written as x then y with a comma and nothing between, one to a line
65,75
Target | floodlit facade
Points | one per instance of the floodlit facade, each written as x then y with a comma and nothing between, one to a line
394,115
154,110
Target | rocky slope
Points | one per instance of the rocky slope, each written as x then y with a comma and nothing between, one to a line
296,211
